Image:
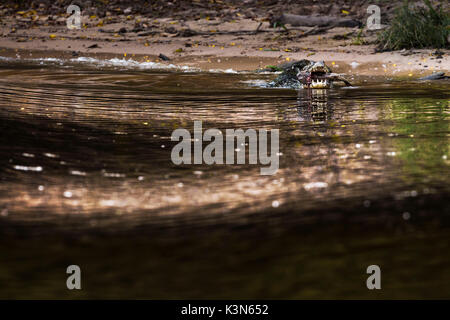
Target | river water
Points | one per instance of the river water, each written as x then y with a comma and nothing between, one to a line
86,178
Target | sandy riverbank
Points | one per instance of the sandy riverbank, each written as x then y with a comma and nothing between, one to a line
207,43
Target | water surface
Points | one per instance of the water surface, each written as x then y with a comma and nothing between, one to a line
85,163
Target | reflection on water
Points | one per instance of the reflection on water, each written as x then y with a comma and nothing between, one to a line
85,150
315,105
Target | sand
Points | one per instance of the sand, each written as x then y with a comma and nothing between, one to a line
215,48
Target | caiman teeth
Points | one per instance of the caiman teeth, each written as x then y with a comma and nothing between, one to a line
319,84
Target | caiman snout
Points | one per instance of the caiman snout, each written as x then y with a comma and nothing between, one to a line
318,75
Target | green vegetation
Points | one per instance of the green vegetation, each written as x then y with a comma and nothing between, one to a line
358,40
417,27
274,68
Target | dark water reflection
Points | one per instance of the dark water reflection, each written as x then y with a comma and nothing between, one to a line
85,163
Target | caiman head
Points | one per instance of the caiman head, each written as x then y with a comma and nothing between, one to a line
310,74
315,75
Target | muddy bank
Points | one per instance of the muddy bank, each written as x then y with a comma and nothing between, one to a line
218,35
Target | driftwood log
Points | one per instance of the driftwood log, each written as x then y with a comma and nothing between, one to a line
318,24
314,21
